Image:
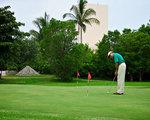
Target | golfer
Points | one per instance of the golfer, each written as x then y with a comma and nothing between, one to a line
119,72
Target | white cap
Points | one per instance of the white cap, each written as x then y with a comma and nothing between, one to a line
109,53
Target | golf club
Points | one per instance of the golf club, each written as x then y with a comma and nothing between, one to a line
111,84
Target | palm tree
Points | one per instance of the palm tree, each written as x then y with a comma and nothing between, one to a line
82,16
40,23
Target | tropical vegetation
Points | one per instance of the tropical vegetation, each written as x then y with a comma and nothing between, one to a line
54,50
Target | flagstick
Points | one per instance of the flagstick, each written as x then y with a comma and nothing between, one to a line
78,75
89,78
88,87
77,82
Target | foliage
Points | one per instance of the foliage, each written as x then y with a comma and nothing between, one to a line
85,56
57,48
134,45
40,23
103,67
23,53
41,64
9,32
53,49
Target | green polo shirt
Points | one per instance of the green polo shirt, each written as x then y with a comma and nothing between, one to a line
118,58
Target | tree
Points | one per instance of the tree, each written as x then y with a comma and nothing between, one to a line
22,53
40,23
9,32
135,47
57,47
83,58
82,16
104,68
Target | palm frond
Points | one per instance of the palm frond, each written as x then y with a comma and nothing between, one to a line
93,20
75,10
69,15
42,22
89,12
47,18
37,24
82,5
87,22
34,33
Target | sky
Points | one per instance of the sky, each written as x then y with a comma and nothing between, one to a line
121,13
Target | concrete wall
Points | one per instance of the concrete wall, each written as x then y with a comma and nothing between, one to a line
8,72
95,32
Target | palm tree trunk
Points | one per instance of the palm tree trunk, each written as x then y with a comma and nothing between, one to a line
78,33
81,34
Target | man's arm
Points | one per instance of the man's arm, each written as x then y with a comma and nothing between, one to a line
116,66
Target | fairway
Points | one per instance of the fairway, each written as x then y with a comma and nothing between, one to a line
36,102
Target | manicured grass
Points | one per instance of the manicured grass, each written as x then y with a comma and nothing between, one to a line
50,80
37,102
44,98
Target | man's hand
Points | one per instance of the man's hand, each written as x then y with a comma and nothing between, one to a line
116,66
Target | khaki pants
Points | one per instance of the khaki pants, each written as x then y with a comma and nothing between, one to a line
121,78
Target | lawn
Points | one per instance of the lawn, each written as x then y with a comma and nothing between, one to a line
28,101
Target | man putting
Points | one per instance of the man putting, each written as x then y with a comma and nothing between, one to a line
120,71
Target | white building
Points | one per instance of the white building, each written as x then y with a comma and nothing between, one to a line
95,33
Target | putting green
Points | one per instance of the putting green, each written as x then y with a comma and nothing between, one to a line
36,102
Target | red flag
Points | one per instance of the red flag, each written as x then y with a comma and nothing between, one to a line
78,74
89,76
